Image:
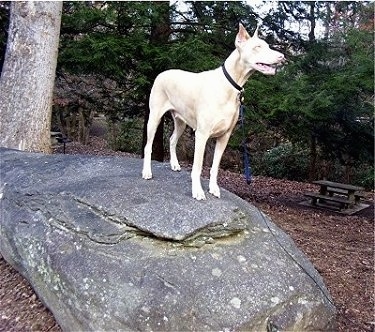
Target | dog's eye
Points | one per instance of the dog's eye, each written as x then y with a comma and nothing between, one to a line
257,48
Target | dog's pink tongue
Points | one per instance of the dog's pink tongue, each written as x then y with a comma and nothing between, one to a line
271,70
268,69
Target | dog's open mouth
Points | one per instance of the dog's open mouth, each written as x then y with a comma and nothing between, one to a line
267,69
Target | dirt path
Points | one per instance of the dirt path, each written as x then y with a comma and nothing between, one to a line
340,247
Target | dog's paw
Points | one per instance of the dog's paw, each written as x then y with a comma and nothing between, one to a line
215,190
147,174
199,195
175,167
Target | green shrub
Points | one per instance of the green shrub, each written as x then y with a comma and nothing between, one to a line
285,161
127,136
363,176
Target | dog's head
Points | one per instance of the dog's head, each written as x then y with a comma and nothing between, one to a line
256,54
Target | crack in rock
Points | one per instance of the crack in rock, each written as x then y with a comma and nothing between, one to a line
71,213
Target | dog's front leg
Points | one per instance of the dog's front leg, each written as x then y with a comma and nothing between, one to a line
200,144
221,143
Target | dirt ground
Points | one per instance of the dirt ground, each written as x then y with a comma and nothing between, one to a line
340,247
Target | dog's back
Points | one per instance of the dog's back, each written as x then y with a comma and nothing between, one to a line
181,81
180,91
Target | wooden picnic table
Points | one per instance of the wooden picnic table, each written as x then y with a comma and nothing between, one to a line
352,193
339,196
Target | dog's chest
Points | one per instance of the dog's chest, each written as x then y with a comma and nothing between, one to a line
224,122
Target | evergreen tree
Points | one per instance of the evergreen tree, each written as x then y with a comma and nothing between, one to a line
323,96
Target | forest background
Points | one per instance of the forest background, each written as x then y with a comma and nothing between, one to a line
314,119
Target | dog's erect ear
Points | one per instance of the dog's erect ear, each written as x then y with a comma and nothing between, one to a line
242,35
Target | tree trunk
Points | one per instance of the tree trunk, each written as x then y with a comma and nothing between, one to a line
160,31
85,118
312,21
28,74
313,158
327,21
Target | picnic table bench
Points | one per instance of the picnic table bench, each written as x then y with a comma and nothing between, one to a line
339,196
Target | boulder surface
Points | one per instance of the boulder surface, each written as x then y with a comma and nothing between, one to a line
106,250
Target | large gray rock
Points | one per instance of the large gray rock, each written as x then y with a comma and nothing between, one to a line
107,250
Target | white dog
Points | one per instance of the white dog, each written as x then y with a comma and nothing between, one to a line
208,102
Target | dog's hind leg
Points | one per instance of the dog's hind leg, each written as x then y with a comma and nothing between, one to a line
200,144
179,127
221,143
152,125
151,130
